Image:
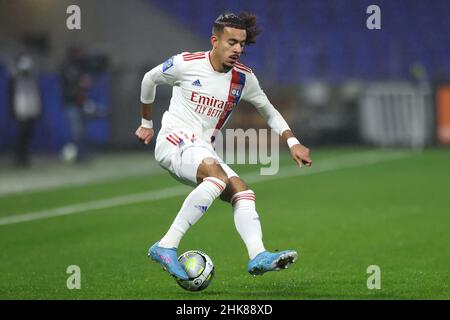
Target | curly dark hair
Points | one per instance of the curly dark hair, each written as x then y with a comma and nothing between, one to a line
244,20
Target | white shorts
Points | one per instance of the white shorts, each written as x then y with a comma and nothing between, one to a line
180,152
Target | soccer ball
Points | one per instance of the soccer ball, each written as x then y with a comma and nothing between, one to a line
199,268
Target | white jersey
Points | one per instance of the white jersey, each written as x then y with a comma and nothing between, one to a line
204,99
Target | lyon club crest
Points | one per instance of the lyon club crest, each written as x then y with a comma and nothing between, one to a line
236,90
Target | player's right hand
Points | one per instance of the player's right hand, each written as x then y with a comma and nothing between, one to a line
144,134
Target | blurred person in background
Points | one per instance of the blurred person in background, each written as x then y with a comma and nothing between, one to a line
26,106
76,81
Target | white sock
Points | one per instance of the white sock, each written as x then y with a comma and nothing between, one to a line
247,222
194,206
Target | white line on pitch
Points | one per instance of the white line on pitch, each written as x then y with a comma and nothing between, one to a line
340,162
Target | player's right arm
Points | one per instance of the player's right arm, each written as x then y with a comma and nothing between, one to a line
166,73
145,131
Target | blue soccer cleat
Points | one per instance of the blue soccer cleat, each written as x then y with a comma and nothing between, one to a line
268,261
167,258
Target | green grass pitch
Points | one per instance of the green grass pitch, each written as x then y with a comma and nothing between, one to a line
393,212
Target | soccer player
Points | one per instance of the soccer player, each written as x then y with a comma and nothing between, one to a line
206,88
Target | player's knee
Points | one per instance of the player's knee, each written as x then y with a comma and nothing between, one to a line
212,170
235,185
217,172
223,177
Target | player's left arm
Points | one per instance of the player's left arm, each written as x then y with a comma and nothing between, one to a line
299,152
255,95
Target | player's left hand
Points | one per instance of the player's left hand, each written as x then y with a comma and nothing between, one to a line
300,154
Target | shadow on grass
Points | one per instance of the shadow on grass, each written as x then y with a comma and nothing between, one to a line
293,291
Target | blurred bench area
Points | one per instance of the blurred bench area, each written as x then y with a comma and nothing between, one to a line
52,128
334,80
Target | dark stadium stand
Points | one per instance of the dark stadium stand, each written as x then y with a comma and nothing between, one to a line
328,40
302,41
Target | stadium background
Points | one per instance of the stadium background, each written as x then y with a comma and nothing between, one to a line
345,90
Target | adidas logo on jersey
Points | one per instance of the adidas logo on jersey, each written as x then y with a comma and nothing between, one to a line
197,83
